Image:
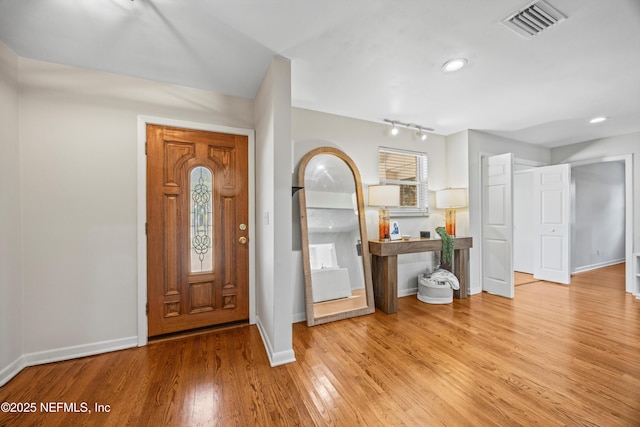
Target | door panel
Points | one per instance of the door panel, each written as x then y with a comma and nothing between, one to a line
197,250
497,251
497,225
551,216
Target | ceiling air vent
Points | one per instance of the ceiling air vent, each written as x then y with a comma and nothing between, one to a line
533,19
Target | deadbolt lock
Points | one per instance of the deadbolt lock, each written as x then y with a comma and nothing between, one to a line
243,227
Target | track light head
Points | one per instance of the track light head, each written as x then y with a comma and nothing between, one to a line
420,133
394,129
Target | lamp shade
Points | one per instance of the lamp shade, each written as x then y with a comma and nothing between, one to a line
451,198
384,195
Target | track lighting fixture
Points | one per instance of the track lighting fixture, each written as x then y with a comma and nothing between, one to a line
421,130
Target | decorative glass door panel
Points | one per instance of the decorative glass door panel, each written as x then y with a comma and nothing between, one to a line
201,184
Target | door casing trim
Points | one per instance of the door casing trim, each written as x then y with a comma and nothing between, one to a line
141,219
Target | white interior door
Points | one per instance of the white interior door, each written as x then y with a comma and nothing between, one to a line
497,225
551,214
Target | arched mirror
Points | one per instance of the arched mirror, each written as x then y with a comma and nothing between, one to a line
335,253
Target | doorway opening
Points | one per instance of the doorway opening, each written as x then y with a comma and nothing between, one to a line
624,162
601,223
142,280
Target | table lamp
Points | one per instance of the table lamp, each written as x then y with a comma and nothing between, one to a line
384,196
450,199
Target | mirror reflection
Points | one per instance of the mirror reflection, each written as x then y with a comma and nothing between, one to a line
337,269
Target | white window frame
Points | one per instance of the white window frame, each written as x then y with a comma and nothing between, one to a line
422,183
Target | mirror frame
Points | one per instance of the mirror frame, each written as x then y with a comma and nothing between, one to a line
312,319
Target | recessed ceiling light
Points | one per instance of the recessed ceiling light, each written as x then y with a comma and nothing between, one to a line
454,65
597,120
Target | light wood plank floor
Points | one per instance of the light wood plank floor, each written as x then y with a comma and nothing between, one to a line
522,278
554,355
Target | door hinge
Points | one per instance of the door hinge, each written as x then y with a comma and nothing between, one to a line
146,144
147,309
146,228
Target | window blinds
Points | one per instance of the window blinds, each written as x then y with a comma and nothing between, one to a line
409,170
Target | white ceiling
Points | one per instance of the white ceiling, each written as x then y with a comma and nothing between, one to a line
367,59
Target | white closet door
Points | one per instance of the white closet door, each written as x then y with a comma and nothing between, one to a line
497,225
552,214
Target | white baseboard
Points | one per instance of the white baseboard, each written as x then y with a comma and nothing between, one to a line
299,317
407,292
275,359
65,353
12,370
597,265
77,351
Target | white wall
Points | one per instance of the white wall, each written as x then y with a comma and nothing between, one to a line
78,133
273,206
483,143
608,147
11,306
598,228
457,153
523,222
360,140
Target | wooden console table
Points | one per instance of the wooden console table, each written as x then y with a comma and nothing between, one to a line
384,266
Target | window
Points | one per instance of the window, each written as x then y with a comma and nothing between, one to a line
409,170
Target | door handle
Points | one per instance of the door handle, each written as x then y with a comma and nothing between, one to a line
242,240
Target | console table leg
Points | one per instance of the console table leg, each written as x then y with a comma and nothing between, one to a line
385,282
461,270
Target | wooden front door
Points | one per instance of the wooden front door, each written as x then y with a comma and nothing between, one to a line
197,219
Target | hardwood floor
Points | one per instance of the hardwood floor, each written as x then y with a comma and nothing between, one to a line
522,278
554,355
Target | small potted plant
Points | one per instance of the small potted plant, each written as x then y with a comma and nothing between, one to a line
446,259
